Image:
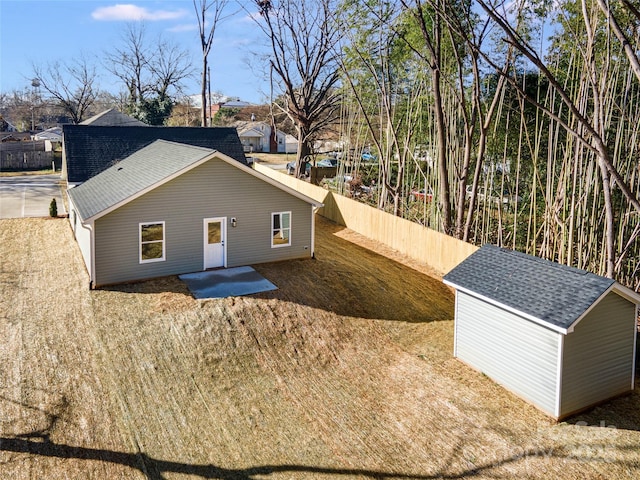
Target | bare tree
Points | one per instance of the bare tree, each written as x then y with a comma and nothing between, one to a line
129,62
151,72
588,126
209,14
623,36
303,39
73,85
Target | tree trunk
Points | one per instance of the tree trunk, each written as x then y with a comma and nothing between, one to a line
443,171
303,151
203,93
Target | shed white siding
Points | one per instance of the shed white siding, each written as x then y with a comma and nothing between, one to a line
598,355
515,352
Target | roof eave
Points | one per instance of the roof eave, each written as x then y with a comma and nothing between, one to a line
146,190
269,180
520,313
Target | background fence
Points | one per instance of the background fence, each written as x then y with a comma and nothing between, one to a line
25,156
425,245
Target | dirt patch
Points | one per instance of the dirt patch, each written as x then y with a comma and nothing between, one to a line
345,371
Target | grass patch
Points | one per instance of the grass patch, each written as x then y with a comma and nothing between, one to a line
344,371
21,173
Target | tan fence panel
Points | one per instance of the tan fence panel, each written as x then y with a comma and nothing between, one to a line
425,245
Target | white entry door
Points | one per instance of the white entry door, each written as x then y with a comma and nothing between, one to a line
215,234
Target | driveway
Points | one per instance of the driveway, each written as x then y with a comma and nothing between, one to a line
29,195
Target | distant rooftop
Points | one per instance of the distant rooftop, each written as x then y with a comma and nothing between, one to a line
113,118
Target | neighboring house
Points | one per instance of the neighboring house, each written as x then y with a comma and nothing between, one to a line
15,137
260,137
171,208
113,118
215,107
88,150
561,338
6,126
51,135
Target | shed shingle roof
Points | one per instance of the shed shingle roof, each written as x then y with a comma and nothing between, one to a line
138,172
555,294
91,149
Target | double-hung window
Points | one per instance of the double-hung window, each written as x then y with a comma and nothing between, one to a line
152,242
280,229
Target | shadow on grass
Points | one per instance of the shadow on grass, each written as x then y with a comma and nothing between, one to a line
344,278
351,280
154,469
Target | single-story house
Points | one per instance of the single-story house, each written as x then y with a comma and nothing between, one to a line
172,208
261,137
561,338
88,149
50,135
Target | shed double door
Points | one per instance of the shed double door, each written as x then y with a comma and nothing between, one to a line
215,233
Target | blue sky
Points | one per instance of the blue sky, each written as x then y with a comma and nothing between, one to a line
41,31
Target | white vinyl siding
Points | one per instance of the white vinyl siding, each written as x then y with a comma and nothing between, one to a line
515,352
82,235
598,355
280,229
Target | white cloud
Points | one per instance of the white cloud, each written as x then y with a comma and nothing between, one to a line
184,27
130,12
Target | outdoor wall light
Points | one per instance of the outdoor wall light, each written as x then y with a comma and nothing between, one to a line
234,223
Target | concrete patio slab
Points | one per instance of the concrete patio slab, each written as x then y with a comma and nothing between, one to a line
229,282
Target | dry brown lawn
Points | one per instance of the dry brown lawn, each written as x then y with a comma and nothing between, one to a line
344,372
273,158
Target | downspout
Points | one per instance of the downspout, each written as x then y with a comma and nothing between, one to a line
314,209
92,273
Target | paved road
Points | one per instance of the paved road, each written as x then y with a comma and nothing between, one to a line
29,196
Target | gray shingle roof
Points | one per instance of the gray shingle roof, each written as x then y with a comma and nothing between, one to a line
553,293
91,149
113,117
136,173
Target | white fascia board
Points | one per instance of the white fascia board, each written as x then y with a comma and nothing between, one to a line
269,180
624,292
627,293
150,188
591,307
212,155
515,311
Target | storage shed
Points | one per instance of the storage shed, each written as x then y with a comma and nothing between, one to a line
171,208
561,338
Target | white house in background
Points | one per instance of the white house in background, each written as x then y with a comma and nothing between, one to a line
260,137
53,134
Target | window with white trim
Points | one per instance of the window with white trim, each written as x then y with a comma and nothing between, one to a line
152,244
280,229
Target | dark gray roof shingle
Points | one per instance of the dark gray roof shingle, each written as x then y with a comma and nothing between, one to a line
91,149
143,169
553,293
113,117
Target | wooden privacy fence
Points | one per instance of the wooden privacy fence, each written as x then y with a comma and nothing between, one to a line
423,244
25,156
